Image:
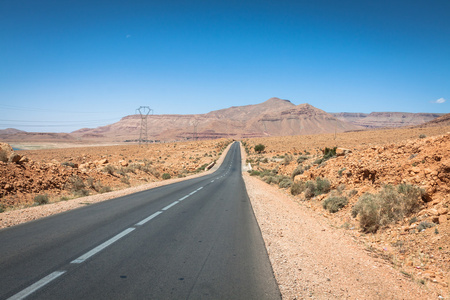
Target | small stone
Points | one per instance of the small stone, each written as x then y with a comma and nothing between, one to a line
442,211
442,219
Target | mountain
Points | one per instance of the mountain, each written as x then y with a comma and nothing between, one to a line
443,120
273,117
386,119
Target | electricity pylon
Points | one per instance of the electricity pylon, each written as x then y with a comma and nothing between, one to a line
144,112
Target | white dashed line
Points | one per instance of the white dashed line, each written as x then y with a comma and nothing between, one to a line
34,287
99,248
185,197
170,205
148,218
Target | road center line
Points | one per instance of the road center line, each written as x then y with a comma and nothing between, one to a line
99,248
170,205
148,218
37,285
185,197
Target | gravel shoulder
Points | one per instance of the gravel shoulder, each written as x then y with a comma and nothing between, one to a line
313,259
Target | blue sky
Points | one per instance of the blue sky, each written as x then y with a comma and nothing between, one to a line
70,64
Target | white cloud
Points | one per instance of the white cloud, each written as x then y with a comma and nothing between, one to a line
128,36
439,101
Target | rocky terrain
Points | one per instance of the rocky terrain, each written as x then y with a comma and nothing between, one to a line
380,167
41,176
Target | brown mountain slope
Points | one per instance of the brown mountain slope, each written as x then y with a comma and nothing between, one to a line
302,119
441,121
271,118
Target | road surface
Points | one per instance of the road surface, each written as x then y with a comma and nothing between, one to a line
196,239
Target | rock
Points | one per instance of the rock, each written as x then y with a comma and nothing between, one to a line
124,163
435,219
442,211
415,169
24,159
342,151
433,212
14,157
442,219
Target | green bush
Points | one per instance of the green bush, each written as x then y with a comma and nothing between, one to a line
260,148
41,199
104,189
166,176
334,204
329,153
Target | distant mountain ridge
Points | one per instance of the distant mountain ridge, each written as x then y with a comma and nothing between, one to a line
273,117
386,119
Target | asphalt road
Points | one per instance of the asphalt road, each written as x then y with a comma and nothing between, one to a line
196,239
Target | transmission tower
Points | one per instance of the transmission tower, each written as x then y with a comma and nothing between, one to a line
144,111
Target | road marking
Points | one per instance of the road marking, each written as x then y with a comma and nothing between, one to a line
34,287
212,181
185,197
192,193
199,188
99,248
148,218
170,205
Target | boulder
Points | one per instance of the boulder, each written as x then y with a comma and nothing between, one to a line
7,154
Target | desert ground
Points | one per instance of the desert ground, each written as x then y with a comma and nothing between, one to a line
415,241
414,248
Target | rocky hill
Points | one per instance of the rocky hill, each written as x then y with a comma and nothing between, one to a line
273,117
386,119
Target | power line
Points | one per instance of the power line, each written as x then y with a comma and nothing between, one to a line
144,111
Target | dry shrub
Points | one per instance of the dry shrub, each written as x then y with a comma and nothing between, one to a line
389,205
297,188
334,203
41,199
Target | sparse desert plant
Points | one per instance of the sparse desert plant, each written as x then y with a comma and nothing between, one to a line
254,173
259,148
297,188
322,186
352,193
334,203
422,136
125,180
166,176
389,205
424,225
41,199
68,164
104,189
109,169
341,171
285,183
287,159
298,171
368,211
301,159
